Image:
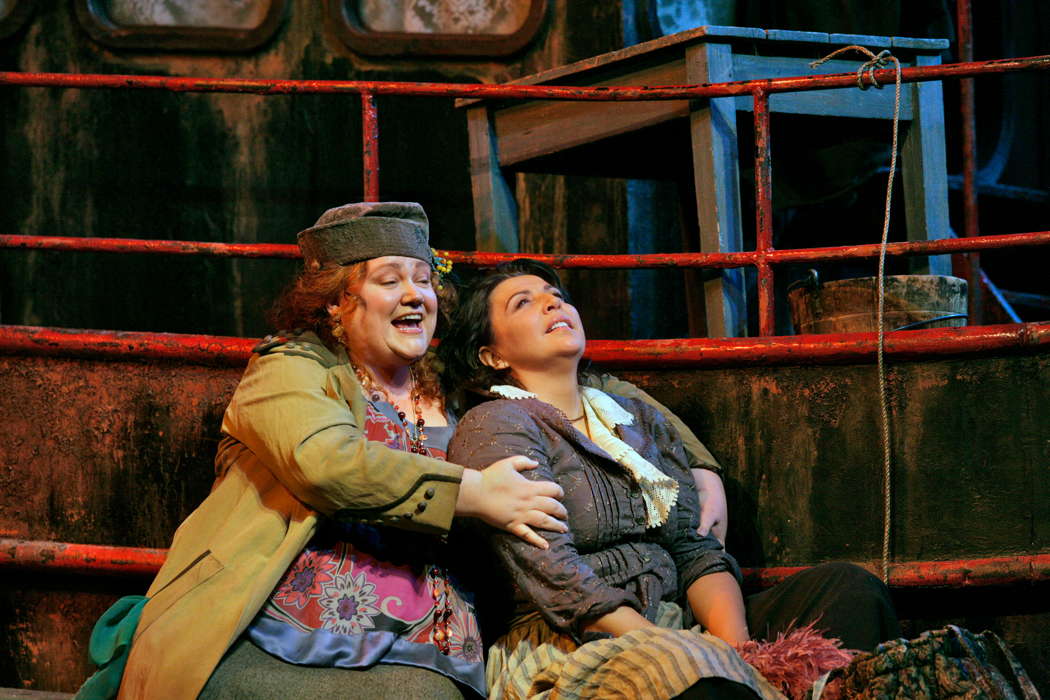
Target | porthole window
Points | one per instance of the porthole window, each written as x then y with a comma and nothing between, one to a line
207,25
436,27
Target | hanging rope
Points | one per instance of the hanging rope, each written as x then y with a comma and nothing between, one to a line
876,61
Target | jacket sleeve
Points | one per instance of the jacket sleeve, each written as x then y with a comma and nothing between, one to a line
694,555
292,410
699,457
558,583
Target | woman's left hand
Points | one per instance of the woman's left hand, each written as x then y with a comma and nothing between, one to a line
714,515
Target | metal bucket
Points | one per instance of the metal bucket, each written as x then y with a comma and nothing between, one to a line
851,305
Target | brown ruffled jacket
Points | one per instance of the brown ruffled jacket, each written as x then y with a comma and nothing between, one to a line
608,558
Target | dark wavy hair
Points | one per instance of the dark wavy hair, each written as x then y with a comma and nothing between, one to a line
471,327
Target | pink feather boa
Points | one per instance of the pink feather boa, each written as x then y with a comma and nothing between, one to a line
793,662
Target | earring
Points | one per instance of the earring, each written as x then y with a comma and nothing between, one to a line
337,330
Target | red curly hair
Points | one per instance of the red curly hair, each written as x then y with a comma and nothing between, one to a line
303,305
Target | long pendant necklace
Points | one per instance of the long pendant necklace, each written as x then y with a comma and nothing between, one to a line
441,588
415,441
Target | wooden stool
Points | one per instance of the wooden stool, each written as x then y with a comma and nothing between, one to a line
634,139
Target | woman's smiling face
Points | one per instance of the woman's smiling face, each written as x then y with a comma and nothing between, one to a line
532,326
390,317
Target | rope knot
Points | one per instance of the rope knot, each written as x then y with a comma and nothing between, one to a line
874,62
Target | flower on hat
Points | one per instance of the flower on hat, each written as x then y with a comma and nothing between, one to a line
442,265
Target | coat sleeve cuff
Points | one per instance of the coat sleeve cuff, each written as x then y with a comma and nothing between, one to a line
428,506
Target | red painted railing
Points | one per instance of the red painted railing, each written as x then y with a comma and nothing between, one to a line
764,255
592,261
90,559
698,352
829,348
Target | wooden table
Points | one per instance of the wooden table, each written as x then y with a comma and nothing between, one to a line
636,139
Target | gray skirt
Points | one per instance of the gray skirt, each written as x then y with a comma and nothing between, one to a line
247,672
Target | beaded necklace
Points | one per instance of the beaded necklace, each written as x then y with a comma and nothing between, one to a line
377,393
441,588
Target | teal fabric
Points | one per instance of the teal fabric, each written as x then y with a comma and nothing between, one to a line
109,647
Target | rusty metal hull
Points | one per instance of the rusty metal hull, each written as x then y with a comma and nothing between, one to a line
119,452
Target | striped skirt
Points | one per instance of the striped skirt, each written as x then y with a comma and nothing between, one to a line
535,662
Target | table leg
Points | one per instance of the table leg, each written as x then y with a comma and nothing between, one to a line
924,170
495,211
716,180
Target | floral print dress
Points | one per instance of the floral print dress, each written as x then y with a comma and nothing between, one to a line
360,594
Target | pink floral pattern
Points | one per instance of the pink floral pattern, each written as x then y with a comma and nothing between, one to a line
464,635
346,585
348,604
305,579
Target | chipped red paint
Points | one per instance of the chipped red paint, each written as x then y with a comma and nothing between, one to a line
547,92
587,261
132,561
969,265
370,146
121,345
65,557
908,248
139,245
763,214
958,573
831,348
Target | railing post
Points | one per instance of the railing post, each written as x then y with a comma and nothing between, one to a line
370,146
968,265
763,213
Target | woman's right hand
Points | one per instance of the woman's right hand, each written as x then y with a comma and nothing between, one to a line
505,499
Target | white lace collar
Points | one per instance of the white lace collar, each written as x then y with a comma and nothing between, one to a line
659,491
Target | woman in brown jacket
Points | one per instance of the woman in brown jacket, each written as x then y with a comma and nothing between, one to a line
591,613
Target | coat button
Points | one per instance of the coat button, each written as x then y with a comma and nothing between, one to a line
407,516
429,493
640,520
421,506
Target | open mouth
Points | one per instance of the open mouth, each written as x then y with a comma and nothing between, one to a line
558,324
409,323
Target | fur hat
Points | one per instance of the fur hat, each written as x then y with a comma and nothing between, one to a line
365,230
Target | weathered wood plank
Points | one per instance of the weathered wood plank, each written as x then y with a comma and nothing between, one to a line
579,72
843,102
867,40
716,178
796,36
533,129
495,212
924,171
